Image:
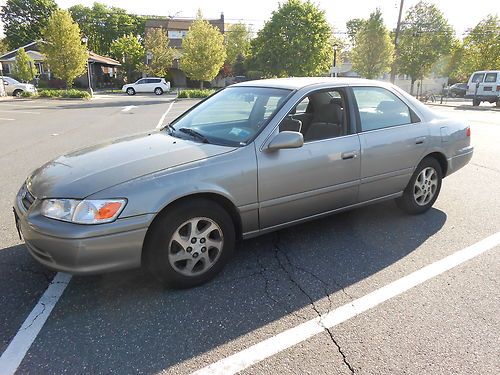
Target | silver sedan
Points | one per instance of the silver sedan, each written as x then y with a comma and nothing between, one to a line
253,158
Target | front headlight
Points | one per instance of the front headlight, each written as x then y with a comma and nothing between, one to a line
95,211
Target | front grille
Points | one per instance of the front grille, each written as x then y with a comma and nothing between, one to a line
27,198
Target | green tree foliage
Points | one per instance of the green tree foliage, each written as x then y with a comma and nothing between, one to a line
66,55
353,26
237,42
161,55
24,20
4,48
296,41
204,51
24,67
373,51
129,51
426,36
481,48
452,65
102,25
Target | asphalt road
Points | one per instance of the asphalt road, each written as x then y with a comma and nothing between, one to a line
124,323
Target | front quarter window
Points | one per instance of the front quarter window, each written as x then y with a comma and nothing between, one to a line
233,116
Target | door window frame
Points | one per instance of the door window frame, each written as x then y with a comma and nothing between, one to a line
414,118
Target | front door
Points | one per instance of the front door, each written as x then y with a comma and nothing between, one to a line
318,177
393,141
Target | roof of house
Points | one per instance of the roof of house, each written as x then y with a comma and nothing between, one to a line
11,54
95,58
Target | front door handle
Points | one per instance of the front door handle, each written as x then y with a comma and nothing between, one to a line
419,140
349,155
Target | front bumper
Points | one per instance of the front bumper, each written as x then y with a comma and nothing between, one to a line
82,249
460,160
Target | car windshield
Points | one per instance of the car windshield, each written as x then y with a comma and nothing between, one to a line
10,80
232,116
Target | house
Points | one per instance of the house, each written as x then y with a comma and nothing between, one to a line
177,29
102,69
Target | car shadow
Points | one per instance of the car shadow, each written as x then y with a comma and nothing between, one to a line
125,322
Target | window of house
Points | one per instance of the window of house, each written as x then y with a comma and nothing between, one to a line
379,108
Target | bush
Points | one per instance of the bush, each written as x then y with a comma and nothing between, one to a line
27,94
195,93
71,93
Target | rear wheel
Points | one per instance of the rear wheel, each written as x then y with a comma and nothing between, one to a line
423,188
190,243
498,103
158,91
475,102
130,91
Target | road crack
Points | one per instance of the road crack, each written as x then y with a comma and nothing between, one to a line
277,252
36,317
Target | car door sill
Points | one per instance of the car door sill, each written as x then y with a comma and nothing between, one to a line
317,216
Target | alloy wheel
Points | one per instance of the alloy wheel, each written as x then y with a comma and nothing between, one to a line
425,186
195,246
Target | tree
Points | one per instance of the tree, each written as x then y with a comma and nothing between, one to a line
4,48
24,67
373,51
65,54
129,51
160,54
353,26
203,51
24,20
426,36
296,41
481,48
237,42
102,25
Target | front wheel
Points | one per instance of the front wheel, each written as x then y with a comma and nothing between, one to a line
190,243
130,91
423,188
17,93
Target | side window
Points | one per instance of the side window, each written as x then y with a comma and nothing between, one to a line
490,77
141,81
319,116
477,78
379,108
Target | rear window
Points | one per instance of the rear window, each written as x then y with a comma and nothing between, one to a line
490,77
477,78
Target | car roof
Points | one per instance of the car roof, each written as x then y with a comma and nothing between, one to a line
295,83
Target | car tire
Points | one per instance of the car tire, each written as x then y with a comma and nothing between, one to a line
130,91
423,188
497,104
158,91
475,102
17,93
176,257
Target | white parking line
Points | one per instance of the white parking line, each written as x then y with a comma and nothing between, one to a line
20,344
128,108
284,340
162,118
6,119
16,111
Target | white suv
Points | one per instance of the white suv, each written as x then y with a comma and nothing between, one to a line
150,84
484,86
16,88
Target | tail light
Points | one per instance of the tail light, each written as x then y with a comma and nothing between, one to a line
467,132
498,88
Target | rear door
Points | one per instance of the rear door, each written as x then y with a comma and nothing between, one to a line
489,85
393,141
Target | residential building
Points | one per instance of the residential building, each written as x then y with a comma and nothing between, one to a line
102,69
177,29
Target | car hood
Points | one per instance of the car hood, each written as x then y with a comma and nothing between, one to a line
89,170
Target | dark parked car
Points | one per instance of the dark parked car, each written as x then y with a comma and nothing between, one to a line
456,91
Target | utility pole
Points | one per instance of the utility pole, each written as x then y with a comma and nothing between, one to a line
398,28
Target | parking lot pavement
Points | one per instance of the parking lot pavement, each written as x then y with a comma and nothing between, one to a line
125,323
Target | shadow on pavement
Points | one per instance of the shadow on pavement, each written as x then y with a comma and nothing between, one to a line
126,323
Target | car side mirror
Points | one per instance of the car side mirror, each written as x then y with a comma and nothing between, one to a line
6,83
286,139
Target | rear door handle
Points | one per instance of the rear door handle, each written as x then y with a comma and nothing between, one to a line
419,140
349,155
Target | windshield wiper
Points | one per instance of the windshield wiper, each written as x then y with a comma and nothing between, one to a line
195,134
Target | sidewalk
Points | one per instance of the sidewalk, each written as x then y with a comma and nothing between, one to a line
465,104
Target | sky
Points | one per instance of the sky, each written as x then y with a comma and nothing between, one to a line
461,14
